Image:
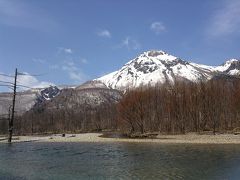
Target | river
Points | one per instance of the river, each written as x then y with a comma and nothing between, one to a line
118,161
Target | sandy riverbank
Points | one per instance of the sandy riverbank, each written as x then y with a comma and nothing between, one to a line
94,137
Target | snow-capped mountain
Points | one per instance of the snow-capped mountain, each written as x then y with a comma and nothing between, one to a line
25,100
91,94
153,67
150,67
230,67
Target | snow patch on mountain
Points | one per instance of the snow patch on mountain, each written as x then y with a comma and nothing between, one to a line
230,67
50,92
91,85
153,67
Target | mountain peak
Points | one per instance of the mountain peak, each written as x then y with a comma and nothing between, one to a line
230,61
155,53
49,93
153,57
157,66
158,54
152,67
231,66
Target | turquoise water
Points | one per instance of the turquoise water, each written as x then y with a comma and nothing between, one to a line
118,161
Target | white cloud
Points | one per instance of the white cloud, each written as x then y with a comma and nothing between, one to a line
83,60
157,27
69,66
31,81
68,51
26,80
54,66
104,33
65,50
74,72
225,20
37,60
130,43
19,14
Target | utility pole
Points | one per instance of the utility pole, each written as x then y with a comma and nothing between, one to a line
9,113
13,108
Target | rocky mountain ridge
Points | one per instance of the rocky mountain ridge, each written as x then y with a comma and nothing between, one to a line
25,100
153,67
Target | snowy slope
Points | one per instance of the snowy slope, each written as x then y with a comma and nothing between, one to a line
25,100
153,67
230,67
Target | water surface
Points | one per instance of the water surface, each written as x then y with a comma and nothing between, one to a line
118,161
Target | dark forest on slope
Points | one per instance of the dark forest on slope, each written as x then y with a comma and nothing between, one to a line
172,109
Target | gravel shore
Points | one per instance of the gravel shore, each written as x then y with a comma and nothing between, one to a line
168,139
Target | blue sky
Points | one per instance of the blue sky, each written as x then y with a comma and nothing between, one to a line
78,40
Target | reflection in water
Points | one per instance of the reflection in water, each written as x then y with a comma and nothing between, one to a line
118,161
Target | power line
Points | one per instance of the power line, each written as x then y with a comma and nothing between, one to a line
20,85
25,74
4,116
11,85
14,86
22,74
5,85
6,82
6,75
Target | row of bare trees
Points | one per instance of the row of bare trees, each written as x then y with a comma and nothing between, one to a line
172,109
75,120
182,107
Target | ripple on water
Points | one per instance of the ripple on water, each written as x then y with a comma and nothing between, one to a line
118,161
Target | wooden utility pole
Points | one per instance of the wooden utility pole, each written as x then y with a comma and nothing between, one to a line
9,113
10,130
